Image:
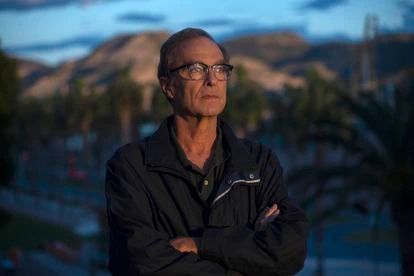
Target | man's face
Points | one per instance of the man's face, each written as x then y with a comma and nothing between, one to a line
198,98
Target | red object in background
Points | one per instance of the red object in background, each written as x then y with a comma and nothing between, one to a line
71,160
25,156
74,173
77,175
62,251
15,255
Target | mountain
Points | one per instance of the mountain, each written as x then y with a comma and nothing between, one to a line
30,71
289,53
394,53
270,48
137,52
269,78
273,60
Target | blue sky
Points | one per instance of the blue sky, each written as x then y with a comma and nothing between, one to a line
53,31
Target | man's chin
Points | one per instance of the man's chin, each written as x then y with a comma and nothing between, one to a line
211,113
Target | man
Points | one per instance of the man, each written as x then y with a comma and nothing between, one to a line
192,199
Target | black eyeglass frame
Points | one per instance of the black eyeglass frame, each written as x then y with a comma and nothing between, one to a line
206,69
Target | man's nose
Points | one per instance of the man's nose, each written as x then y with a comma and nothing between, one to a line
210,78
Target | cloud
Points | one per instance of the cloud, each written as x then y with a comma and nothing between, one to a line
23,5
250,29
216,22
407,19
300,29
19,5
321,5
408,14
80,41
138,17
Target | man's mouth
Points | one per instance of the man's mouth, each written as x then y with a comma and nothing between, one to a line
210,97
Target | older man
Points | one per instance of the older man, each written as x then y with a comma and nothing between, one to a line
193,199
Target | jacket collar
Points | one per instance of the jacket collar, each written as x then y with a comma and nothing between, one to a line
160,152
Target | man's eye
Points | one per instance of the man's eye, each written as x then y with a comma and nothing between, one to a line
219,68
194,68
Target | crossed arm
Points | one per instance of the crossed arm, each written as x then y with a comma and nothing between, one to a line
274,246
192,244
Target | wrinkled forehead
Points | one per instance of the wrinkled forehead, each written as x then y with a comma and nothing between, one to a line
199,49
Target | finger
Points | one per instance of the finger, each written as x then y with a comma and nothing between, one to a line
271,217
271,210
263,214
267,215
267,211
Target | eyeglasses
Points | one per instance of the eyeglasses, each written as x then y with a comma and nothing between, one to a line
198,71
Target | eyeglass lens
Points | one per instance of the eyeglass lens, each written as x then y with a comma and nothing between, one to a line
198,71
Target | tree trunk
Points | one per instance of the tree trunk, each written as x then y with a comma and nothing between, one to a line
319,159
86,130
402,209
125,121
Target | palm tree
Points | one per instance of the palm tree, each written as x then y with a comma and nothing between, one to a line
246,103
380,142
297,111
9,92
127,99
160,108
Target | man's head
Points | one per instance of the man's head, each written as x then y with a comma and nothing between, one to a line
176,39
193,73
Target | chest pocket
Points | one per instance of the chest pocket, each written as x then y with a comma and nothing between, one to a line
235,203
237,179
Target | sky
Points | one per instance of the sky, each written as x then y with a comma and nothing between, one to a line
54,31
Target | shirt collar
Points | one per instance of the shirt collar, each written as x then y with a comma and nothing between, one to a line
160,151
220,154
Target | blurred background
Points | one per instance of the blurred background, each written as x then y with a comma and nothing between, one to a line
327,84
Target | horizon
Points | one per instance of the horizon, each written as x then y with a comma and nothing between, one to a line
51,32
221,39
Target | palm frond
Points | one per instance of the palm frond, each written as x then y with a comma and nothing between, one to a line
375,119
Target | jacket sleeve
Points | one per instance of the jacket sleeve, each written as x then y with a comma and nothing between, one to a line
137,246
280,249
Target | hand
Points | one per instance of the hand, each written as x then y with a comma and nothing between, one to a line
266,216
185,244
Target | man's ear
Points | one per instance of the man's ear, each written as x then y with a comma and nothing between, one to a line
166,87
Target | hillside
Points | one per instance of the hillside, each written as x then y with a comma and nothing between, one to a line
273,60
137,52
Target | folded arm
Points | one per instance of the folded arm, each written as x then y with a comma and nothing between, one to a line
138,246
277,248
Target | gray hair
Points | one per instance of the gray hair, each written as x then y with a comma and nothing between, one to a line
179,37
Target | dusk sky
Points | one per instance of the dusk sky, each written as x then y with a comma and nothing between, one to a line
53,31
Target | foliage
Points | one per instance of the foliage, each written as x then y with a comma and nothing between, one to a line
16,232
246,102
34,121
9,89
126,100
380,163
380,141
301,108
161,108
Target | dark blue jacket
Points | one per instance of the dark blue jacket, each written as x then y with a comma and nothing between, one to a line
150,201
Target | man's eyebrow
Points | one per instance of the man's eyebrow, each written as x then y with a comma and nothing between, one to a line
220,61
193,62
